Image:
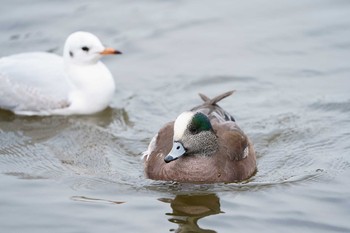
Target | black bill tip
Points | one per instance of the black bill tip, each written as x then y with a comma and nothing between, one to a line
169,158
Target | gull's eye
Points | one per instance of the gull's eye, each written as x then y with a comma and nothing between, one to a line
86,49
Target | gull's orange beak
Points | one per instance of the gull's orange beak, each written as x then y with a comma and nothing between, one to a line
108,51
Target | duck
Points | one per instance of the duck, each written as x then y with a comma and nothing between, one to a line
202,145
43,83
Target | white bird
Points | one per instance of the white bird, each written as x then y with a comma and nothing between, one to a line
40,83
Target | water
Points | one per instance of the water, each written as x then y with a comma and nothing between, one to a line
289,64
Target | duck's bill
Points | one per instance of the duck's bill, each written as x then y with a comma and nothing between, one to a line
177,151
110,51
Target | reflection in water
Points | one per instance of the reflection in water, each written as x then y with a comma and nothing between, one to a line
188,209
39,129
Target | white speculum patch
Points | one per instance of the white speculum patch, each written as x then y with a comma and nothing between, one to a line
181,124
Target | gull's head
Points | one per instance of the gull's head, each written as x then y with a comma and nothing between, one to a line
84,48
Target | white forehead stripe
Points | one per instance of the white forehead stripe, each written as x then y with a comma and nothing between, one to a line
181,123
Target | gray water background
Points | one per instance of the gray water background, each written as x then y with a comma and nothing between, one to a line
289,64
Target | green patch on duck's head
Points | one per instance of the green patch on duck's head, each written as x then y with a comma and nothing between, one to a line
199,123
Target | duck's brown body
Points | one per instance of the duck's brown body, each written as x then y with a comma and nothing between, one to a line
233,161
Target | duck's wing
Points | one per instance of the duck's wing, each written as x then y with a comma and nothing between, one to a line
233,141
33,82
159,147
212,109
236,155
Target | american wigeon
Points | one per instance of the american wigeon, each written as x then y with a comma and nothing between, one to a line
203,145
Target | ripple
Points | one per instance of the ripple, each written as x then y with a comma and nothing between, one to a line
76,149
95,200
332,106
253,184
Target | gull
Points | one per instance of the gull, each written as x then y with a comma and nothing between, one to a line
41,83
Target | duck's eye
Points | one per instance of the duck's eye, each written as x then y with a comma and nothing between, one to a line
86,49
194,130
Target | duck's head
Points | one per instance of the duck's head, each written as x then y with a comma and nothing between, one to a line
84,48
193,135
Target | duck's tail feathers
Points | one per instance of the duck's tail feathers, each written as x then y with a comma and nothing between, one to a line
216,99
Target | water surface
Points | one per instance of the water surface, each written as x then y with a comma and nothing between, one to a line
287,61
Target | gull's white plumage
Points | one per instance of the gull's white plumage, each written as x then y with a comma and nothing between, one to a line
42,83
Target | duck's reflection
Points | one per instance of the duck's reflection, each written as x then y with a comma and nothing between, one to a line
188,209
